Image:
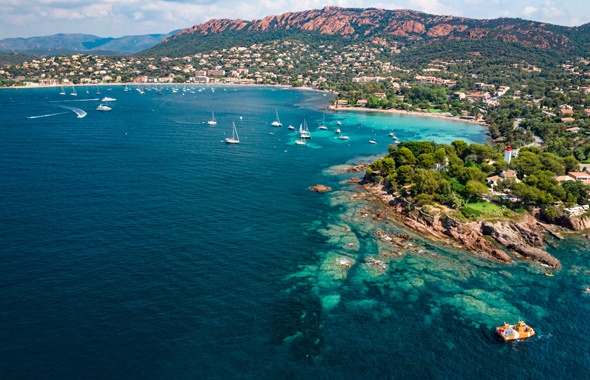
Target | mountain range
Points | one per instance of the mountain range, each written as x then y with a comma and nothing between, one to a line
412,35
406,29
64,44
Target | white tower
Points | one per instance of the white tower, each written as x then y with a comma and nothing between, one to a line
507,154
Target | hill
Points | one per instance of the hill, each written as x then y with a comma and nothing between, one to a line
406,33
64,44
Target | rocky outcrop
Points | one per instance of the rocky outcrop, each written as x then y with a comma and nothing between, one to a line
524,237
444,30
574,223
320,188
404,28
356,168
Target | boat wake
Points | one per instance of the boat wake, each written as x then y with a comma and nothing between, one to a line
75,100
81,113
48,115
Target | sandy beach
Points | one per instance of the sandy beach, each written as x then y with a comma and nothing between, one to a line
404,112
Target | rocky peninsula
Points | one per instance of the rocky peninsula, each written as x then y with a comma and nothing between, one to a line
500,240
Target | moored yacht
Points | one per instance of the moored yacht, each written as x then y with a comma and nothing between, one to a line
103,107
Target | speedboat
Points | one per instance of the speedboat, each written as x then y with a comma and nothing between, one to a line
343,137
514,332
372,142
338,131
107,99
103,107
291,128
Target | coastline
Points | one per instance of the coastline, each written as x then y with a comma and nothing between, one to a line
502,241
408,113
211,84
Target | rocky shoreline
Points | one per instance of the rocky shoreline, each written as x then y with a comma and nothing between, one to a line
502,241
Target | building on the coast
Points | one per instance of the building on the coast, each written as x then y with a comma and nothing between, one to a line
566,112
458,95
564,178
508,153
502,90
509,174
583,177
493,180
477,96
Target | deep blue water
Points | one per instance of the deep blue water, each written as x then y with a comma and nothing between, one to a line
136,244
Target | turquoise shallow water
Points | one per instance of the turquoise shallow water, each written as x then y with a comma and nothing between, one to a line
136,244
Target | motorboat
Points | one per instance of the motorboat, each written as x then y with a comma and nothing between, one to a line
103,107
513,332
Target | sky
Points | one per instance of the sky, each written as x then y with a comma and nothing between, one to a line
116,18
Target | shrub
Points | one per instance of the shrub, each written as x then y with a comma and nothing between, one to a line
470,212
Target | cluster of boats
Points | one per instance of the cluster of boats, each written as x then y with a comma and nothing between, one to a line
104,107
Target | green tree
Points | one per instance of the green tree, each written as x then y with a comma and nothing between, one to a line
426,160
425,182
405,156
475,189
405,174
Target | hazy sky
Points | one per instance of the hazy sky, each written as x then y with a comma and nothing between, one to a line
115,18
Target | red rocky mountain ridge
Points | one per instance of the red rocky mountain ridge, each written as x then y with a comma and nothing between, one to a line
354,23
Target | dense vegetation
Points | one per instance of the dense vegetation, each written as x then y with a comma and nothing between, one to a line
455,175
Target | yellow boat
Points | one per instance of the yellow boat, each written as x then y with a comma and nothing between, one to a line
514,332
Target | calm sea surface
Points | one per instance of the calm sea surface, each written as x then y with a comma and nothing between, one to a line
136,244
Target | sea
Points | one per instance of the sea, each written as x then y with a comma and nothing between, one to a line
136,244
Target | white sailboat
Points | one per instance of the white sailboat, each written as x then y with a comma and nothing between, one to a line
304,130
74,93
63,92
234,139
301,141
277,122
323,125
212,121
